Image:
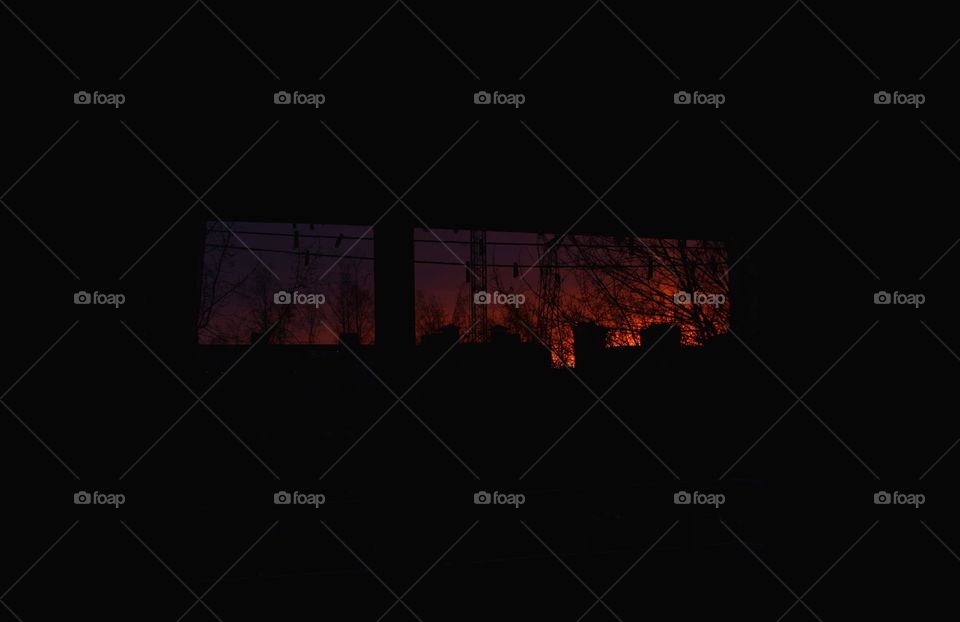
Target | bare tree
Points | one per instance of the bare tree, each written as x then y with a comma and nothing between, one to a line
429,314
219,283
263,312
460,317
351,301
630,284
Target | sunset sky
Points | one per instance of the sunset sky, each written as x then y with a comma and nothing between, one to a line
440,273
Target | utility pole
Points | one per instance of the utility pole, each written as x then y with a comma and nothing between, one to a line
477,277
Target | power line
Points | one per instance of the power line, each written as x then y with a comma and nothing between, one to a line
533,244
286,252
290,235
444,263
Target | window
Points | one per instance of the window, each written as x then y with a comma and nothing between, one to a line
540,286
304,283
